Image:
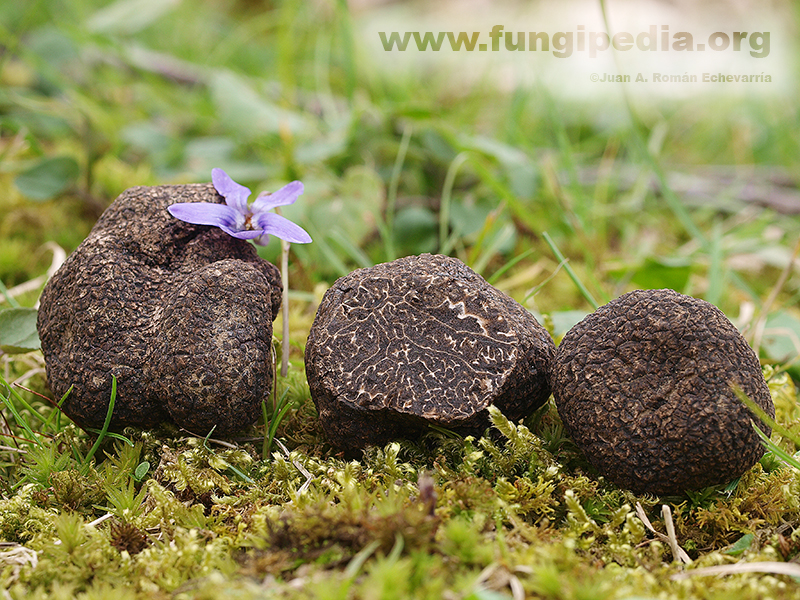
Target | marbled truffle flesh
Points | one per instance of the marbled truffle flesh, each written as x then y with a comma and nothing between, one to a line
181,314
420,340
643,386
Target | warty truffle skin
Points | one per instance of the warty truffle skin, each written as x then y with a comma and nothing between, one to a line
180,314
643,386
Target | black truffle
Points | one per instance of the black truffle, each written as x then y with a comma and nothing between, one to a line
643,386
181,314
420,340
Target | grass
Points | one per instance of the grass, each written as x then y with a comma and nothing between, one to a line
562,203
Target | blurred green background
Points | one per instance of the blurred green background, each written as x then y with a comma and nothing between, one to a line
698,193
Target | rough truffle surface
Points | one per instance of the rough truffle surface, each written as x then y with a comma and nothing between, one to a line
643,387
181,314
420,340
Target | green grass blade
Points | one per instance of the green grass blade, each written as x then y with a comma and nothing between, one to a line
356,254
763,416
18,418
106,423
510,264
345,22
518,208
775,449
240,474
673,202
9,298
57,413
716,274
500,237
271,424
113,435
21,400
391,198
572,275
330,256
447,194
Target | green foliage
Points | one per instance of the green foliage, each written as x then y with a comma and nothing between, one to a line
523,452
96,97
47,178
125,502
273,419
21,519
42,461
77,555
18,330
203,470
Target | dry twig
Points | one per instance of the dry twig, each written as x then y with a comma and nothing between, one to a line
678,553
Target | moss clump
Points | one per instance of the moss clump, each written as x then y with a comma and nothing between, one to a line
20,517
517,511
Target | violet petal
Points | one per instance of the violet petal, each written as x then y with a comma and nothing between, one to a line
207,213
242,234
281,227
286,195
235,195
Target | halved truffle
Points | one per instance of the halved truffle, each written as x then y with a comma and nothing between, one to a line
423,339
643,386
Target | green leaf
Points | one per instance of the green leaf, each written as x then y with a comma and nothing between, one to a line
47,178
129,16
468,217
18,332
780,336
488,595
742,544
564,320
416,228
244,110
658,273
519,168
141,470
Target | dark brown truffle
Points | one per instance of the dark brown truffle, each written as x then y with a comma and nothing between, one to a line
420,340
643,386
181,314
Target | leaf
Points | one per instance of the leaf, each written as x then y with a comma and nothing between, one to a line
47,178
742,544
18,332
324,146
468,217
781,340
488,595
244,110
657,273
519,168
416,228
141,470
129,16
564,320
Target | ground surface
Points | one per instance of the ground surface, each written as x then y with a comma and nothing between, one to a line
563,200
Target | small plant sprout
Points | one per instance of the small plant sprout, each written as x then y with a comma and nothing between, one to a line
243,221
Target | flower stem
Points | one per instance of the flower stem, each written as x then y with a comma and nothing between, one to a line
284,305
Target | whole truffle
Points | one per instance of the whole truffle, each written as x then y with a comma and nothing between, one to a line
417,341
181,314
643,386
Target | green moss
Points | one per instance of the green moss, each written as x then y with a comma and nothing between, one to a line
513,512
20,517
75,554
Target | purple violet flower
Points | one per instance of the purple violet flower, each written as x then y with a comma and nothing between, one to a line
236,218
